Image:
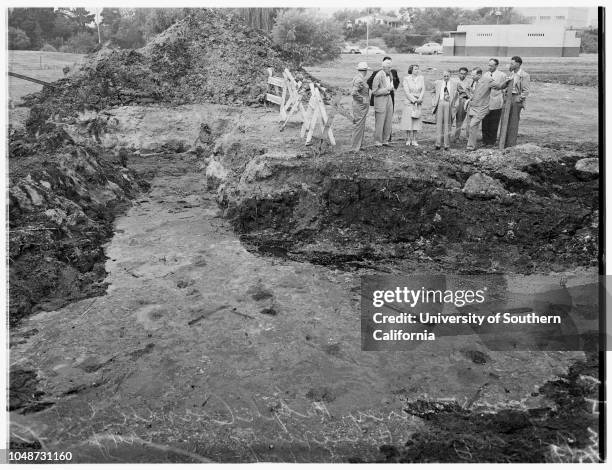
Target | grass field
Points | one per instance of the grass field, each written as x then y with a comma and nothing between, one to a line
567,70
42,65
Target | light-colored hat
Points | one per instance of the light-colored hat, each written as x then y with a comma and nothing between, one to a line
363,66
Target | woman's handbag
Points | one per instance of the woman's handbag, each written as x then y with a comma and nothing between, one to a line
416,111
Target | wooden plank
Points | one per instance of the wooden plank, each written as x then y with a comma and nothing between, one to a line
315,115
311,128
309,113
274,99
289,76
327,130
30,79
325,120
505,117
283,113
276,81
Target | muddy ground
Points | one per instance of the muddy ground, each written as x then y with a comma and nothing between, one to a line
229,329
185,279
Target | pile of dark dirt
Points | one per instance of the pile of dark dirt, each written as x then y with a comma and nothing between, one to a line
524,210
63,198
456,434
210,56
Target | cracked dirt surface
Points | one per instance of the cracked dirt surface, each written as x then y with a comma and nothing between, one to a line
203,350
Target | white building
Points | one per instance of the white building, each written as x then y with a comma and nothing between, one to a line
525,40
392,21
569,17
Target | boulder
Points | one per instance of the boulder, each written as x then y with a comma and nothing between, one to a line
589,166
479,186
215,174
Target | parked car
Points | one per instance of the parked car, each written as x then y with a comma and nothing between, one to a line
350,49
372,50
429,48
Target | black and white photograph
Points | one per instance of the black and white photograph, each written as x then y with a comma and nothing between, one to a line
332,233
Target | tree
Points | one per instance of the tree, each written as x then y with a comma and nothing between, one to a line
80,17
403,41
317,38
111,18
38,24
156,20
64,27
259,18
589,41
17,39
128,35
81,43
434,23
343,16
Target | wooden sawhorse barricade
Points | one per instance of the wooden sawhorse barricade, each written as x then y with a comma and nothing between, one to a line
314,118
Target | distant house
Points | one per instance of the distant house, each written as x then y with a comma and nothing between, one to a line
390,21
529,40
569,17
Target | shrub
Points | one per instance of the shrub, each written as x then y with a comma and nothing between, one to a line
403,41
589,41
306,38
48,48
17,39
80,43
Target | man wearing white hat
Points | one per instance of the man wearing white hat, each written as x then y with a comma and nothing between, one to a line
382,86
360,92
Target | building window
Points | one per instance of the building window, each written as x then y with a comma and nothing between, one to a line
545,17
484,35
535,35
532,18
560,17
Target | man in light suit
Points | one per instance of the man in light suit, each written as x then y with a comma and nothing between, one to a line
519,84
382,87
478,104
361,104
444,101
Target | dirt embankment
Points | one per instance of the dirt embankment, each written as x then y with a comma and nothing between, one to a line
526,209
63,198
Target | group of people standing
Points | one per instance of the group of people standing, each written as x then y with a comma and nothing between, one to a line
474,100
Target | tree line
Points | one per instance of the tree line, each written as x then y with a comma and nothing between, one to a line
75,29
303,33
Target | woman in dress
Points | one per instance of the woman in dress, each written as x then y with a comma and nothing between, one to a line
413,85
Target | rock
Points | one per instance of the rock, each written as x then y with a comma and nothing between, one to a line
215,174
588,165
256,169
526,148
479,186
57,216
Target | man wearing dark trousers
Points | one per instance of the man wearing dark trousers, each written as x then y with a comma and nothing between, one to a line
490,123
520,91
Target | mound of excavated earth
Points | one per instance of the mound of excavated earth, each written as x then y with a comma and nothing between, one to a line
210,56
